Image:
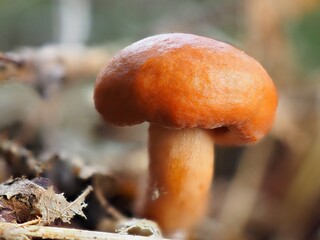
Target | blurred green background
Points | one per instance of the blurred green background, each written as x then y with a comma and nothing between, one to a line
37,22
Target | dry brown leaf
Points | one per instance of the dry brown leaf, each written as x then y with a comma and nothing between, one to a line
20,159
22,200
54,206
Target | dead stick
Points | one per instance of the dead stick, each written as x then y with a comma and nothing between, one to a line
10,231
11,60
62,62
104,202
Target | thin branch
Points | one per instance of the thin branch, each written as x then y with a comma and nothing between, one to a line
104,202
10,231
5,58
50,67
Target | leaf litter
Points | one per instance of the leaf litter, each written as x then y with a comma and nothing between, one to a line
23,200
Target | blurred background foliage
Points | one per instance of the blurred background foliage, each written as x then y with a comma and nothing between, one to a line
270,190
305,34
126,21
116,20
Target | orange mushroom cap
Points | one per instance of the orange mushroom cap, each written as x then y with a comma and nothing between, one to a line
186,81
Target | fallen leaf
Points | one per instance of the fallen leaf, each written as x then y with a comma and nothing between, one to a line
22,200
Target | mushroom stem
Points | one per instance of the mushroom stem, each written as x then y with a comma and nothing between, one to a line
180,175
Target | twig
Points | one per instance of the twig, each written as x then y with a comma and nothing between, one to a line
10,231
104,202
10,59
67,62
51,67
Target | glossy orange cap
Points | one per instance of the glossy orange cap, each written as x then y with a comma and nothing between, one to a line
187,81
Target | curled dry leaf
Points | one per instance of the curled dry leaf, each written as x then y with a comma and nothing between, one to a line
20,159
141,227
18,198
22,200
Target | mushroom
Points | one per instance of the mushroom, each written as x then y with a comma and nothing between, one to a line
195,92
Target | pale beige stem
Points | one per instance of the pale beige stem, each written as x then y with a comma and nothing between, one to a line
180,176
